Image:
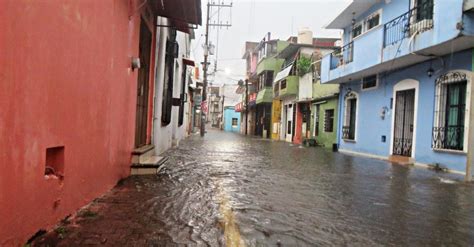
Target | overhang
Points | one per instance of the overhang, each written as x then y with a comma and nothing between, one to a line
353,11
187,11
188,62
283,74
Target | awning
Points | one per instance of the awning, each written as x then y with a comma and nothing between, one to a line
238,107
187,11
353,11
188,62
284,73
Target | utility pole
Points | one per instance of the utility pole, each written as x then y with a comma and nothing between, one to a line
206,54
246,105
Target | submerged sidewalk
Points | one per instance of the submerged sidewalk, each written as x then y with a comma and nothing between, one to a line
229,190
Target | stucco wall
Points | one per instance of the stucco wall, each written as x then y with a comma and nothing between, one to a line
230,113
325,138
370,126
65,81
165,137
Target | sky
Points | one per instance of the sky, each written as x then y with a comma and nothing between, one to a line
251,20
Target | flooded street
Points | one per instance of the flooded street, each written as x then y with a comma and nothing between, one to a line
229,190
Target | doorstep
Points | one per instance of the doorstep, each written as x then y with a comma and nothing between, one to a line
401,160
148,166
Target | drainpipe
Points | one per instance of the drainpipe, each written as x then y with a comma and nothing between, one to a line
470,142
339,118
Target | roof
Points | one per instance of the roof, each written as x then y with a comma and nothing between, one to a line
353,11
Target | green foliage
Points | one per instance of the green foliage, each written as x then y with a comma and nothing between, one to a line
303,65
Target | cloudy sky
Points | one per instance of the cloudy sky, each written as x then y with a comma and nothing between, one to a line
251,20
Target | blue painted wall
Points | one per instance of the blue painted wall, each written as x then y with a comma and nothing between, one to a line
371,128
369,48
230,113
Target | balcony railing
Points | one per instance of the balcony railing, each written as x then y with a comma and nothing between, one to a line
341,56
451,137
416,20
348,132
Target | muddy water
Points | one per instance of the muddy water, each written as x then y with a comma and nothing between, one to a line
228,189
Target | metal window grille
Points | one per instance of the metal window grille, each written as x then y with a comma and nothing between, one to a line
329,120
369,82
449,115
348,129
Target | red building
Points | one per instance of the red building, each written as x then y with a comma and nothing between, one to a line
73,107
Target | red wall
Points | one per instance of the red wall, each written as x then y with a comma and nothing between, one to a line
64,80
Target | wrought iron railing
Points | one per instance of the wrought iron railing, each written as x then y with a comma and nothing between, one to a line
451,137
348,132
343,55
402,146
416,20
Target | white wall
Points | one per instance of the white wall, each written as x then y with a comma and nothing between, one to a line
164,137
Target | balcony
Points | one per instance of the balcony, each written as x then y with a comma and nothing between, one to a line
342,56
265,95
270,63
427,29
415,21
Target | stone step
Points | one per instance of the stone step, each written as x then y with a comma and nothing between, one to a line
148,166
139,155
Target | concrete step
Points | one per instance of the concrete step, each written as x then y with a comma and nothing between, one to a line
149,165
401,160
141,154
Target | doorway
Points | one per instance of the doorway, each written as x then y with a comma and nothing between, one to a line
141,123
289,123
404,123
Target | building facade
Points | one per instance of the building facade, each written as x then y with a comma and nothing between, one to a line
231,120
405,74
88,90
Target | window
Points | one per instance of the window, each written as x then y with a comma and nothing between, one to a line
167,101
182,97
328,120
369,82
356,31
283,84
271,49
372,21
450,109
424,10
350,114
234,122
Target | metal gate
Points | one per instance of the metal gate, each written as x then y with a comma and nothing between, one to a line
404,120
142,87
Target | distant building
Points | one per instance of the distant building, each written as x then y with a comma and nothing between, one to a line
231,120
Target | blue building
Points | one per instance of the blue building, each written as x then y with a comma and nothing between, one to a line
231,119
405,72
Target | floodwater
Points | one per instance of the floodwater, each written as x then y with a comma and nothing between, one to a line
229,190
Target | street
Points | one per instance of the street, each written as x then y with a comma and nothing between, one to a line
230,190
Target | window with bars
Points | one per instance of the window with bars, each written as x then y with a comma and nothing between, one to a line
235,122
369,82
356,31
449,116
424,10
350,114
329,120
172,49
373,21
